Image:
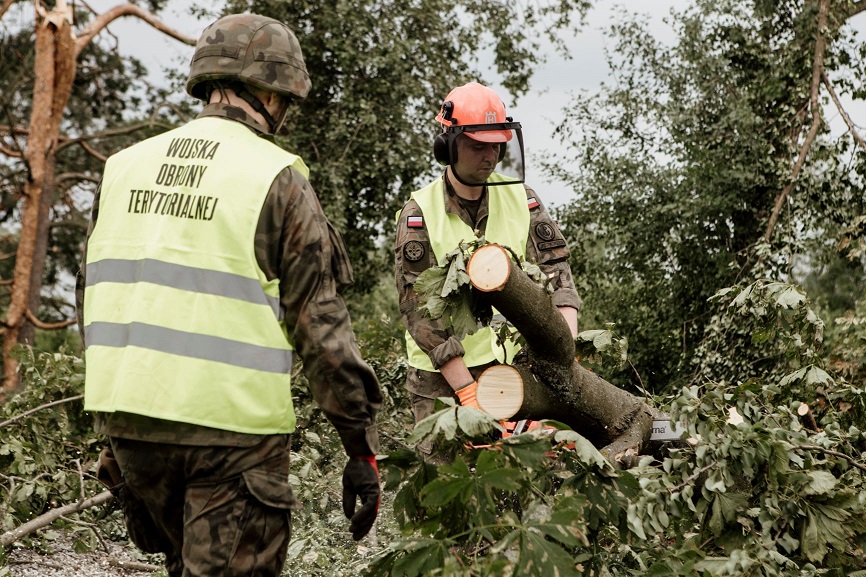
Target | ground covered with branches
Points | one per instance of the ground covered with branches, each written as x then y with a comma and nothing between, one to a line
769,478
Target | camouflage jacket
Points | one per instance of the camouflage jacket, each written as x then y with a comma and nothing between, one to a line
295,243
413,254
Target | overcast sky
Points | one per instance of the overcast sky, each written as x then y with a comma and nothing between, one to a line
554,83
539,111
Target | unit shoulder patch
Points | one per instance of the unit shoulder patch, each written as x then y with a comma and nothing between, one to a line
413,251
545,231
550,245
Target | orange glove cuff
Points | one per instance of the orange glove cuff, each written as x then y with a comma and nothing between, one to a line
466,395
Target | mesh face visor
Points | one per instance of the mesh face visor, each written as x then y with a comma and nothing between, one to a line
512,165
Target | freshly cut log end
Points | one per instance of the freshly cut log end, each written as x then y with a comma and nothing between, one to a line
489,267
500,391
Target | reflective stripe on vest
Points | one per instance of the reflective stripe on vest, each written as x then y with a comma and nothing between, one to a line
181,323
181,277
507,224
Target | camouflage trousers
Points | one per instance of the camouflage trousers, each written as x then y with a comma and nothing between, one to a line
212,510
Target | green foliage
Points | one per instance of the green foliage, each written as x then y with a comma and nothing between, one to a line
380,70
681,158
754,489
445,293
595,346
47,458
518,506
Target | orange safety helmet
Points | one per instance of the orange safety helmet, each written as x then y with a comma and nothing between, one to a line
478,112
478,106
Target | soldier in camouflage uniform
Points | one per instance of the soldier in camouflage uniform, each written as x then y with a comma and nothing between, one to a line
465,200
211,264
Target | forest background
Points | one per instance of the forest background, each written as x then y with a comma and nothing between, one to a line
717,226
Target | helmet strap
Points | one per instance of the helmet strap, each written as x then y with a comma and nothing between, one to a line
463,182
251,99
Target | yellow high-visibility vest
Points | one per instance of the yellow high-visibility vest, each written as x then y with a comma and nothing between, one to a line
507,224
181,322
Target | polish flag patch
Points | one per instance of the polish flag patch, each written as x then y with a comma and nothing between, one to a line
415,221
531,202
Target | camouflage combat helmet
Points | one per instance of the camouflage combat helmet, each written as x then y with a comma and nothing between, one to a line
254,49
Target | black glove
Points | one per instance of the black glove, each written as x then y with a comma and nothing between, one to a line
361,479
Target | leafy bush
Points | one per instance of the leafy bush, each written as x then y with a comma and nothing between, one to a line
48,450
768,479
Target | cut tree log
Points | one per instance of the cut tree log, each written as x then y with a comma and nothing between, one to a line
546,381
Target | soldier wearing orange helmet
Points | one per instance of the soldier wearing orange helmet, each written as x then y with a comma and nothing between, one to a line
470,200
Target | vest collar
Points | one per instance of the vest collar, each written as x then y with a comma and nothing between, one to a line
453,206
223,110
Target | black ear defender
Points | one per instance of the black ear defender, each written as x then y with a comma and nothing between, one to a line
442,148
443,141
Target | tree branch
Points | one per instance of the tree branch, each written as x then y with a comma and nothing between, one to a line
856,8
39,408
74,176
48,326
817,71
93,152
67,141
10,152
839,454
41,521
106,18
842,111
5,7
13,130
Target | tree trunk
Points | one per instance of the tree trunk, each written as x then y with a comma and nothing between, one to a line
546,382
56,50
54,72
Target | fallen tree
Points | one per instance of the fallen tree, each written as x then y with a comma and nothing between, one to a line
545,381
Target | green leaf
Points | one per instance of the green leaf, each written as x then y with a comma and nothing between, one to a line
460,316
441,491
455,278
475,422
817,376
790,298
505,479
435,307
419,557
430,282
566,524
813,544
527,450
820,483
443,422
488,461
634,520
726,507
585,451
603,340
790,378
541,558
